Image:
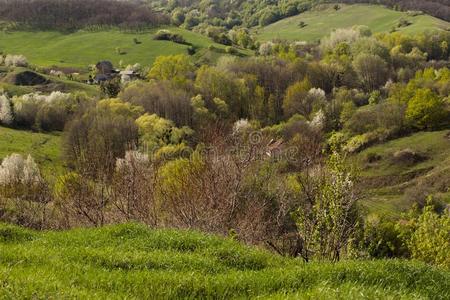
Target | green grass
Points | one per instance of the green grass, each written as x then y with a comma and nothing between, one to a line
387,179
130,261
321,22
55,84
82,48
43,147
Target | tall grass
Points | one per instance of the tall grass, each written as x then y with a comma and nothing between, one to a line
131,261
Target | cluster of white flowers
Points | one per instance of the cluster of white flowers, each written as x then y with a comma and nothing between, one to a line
15,61
17,170
266,48
241,126
317,93
318,122
52,98
6,115
342,35
132,159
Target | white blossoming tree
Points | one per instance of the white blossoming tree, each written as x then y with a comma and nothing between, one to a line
6,115
15,169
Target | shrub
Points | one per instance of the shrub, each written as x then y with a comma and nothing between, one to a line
6,114
46,112
382,239
166,35
231,50
17,170
16,61
327,217
430,242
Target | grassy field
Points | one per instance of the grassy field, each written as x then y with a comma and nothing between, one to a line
130,261
388,178
320,23
82,48
43,147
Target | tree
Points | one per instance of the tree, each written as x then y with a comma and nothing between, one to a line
161,98
372,70
430,240
297,100
425,109
174,68
6,115
93,141
327,216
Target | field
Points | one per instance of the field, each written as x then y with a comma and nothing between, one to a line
387,178
320,23
82,48
133,262
44,148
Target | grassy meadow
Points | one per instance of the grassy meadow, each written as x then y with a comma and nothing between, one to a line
133,262
45,148
320,22
387,178
83,48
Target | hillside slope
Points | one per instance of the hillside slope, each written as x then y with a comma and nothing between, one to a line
133,262
45,148
84,48
320,22
399,171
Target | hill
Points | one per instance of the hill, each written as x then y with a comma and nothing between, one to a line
43,147
83,48
399,171
320,22
131,261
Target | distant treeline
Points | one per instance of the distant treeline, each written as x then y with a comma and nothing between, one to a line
76,14
437,8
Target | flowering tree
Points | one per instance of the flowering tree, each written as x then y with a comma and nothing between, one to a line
17,170
6,115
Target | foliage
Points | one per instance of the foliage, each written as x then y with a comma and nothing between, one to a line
327,217
430,240
15,170
174,67
6,114
425,109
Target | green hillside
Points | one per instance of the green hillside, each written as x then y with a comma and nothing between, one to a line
130,261
43,147
83,48
320,22
387,175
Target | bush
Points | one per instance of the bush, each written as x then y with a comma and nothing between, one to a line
6,114
430,242
45,112
16,61
166,35
382,239
231,50
16,170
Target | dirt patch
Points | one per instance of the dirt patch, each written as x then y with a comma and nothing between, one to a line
408,157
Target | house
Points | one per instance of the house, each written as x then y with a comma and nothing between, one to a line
104,67
105,72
